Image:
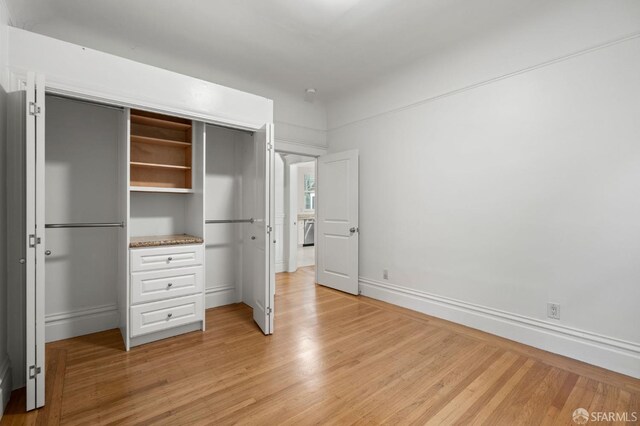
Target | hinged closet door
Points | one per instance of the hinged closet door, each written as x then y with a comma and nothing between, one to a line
264,278
34,260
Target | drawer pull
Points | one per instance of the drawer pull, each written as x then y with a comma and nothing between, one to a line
169,285
169,315
169,259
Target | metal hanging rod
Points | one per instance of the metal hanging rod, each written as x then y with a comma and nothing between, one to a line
85,225
231,221
83,101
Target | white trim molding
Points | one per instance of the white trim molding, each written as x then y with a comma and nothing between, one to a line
5,383
607,352
220,296
79,322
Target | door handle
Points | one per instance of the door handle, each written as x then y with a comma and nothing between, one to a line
47,253
353,230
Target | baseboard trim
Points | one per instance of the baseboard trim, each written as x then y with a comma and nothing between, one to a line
220,296
607,352
69,324
5,383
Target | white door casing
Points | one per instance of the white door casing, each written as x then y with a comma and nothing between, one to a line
337,221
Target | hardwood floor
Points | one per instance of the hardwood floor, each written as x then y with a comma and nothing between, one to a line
334,358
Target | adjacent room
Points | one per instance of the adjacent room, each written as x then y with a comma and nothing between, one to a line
320,212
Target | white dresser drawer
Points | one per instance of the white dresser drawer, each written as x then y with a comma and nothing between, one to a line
149,259
165,284
157,316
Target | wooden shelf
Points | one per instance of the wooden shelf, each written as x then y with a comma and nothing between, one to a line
159,166
159,189
161,153
157,141
158,122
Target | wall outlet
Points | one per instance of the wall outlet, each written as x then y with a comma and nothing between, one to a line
553,310
385,274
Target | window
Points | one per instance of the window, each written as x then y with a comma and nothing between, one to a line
309,192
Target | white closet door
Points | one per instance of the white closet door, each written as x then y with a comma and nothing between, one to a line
34,261
337,226
263,236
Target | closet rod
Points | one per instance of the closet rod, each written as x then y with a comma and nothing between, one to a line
85,225
82,101
231,221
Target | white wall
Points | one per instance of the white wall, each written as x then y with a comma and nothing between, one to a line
5,374
486,201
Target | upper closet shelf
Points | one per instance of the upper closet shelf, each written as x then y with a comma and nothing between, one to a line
158,141
158,122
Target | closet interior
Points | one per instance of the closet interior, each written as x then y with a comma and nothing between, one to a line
85,215
150,219
233,221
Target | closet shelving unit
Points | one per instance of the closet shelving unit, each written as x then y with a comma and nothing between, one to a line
161,153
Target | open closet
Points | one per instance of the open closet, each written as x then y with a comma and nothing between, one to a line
132,214
237,211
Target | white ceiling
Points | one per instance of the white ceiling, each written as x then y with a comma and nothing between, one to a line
330,45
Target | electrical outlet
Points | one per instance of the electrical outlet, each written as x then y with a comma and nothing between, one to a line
553,310
385,274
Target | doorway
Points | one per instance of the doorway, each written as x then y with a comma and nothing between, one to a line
296,201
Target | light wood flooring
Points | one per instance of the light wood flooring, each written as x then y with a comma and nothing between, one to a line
334,359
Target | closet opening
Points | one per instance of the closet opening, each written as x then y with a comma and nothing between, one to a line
85,216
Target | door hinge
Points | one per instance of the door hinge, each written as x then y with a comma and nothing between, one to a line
269,146
33,240
34,371
269,310
34,108
269,229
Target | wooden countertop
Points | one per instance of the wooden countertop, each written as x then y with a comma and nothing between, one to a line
164,240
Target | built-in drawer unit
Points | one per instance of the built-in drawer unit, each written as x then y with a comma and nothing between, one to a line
166,290
148,259
165,283
158,316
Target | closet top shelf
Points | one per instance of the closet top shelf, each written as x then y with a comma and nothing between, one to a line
148,120
164,240
158,141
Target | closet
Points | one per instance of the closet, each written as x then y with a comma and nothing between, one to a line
131,217
84,215
236,211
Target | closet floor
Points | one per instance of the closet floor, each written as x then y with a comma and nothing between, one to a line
334,358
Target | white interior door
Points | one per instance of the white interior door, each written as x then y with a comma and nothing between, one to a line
34,260
337,221
263,234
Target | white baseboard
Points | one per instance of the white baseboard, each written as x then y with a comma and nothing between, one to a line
5,383
281,267
220,296
80,322
603,351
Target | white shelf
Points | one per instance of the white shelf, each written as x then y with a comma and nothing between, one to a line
158,189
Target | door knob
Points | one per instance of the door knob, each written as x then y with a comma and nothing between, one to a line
169,315
353,230
253,237
22,261
47,252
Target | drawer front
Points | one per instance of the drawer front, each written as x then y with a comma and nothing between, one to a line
165,284
149,259
158,316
